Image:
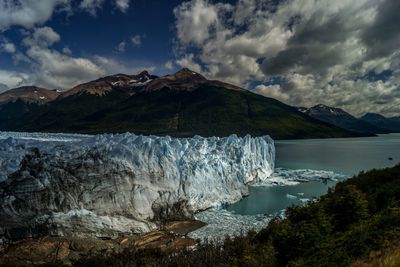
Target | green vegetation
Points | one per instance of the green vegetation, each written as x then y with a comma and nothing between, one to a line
360,215
208,111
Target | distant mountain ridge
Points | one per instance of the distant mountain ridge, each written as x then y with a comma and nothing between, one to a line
391,124
341,118
106,84
29,94
182,104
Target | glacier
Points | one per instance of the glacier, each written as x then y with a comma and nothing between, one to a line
113,184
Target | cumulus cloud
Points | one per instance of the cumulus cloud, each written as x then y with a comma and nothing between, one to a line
136,40
3,87
39,57
11,79
169,65
188,61
195,20
321,51
27,13
56,70
91,6
383,36
48,67
43,37
121,47
122,5
66,50
8,47
273,91
111,66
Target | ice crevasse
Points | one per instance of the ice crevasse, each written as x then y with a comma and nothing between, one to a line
106,185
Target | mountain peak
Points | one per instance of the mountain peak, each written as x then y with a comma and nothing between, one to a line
373,116
321,108
29,94
186,73
144,73
104,85
391,124
340,118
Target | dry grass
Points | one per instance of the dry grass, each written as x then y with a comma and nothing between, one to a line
387,258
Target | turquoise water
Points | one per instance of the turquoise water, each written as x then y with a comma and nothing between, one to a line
346,156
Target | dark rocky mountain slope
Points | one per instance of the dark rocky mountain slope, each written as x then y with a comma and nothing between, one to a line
341,118
390,124
183,104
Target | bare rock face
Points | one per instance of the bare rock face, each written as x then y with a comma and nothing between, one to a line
185,80
110,185
103,86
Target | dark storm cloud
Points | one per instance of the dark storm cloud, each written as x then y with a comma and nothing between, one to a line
313,58
341,53
383,37
314,47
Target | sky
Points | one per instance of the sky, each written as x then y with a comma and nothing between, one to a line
343,53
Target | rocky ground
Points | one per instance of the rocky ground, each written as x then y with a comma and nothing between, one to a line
32,252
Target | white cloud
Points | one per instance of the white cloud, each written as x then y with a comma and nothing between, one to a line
320,50
48,67
67,51
91,6
122,5
8,47
3,87
112,66
274,91
55,70
169,65
11,79
27,13
194,21
136,40
121,47
188,62
43,37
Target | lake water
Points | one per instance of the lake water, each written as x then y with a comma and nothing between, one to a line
345,157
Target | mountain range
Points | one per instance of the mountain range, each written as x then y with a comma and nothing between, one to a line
369,123
391,124
182,104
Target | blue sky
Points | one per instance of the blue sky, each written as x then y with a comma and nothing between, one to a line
87,34
303,52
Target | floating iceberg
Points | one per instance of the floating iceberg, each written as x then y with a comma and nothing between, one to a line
291,196
106,185
222,223
283,176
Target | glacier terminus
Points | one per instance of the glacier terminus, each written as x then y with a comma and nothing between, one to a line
108,185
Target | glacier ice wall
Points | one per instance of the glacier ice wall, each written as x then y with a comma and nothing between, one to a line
105,185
